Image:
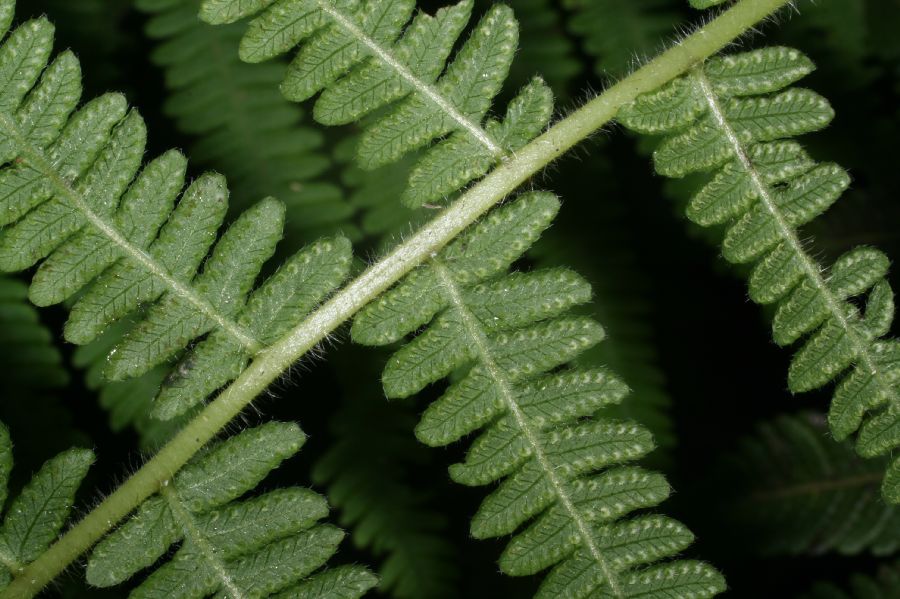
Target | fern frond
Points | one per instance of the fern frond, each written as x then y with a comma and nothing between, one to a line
361,58
36,516
620,32
73,198
801,493
733,116
242,126
255,547
374,492
298,286
227,287
507,335
885,584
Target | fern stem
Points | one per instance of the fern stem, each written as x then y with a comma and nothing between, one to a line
482,348
788,234
272,362
38,160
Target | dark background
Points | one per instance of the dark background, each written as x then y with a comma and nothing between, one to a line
722,371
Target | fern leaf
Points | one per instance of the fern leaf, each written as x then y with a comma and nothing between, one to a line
764,187
148,203
343,582
801,493
361,58
285,299
562,470
242,126
456,161
118,237
428,43
227,277
36,516
249,548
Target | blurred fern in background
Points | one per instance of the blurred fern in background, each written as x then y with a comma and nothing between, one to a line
704,380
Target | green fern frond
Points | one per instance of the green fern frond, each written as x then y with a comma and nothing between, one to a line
506,336
242,126
82,197
620,32
361,58
72,198
36,516
298,286
884,585
801,493
375,496
733,116
256,547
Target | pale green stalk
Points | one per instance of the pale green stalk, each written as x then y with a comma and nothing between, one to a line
275,360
